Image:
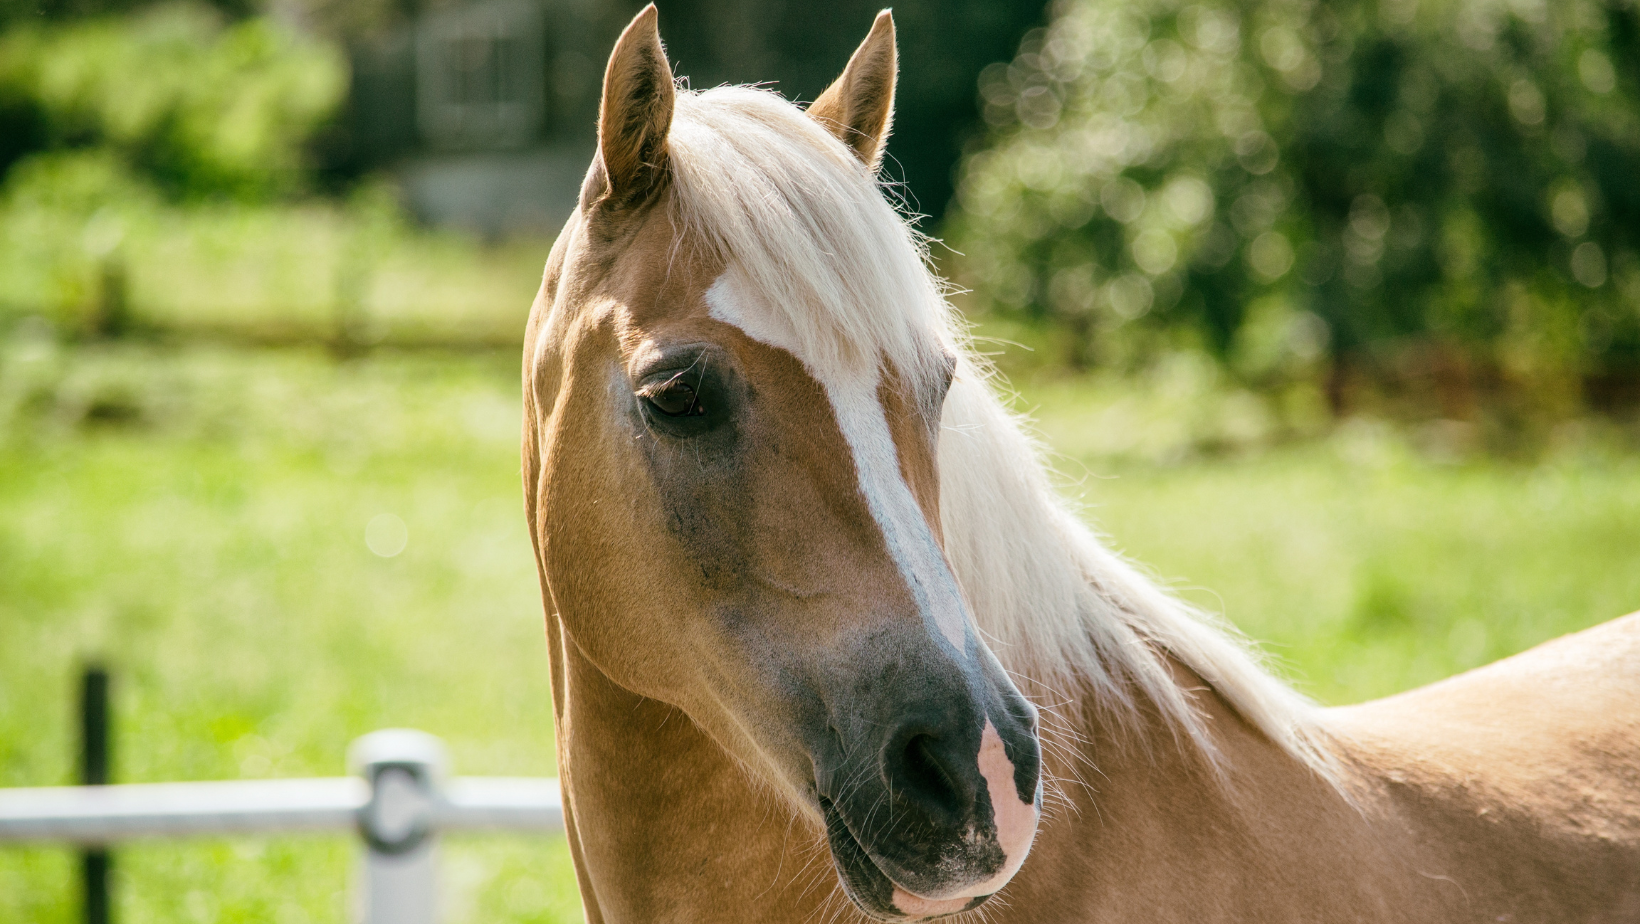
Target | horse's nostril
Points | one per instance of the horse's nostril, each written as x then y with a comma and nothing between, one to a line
922,768
926,776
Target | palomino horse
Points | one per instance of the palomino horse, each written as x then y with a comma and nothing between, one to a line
808,587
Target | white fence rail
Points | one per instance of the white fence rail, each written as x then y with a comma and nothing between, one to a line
399,804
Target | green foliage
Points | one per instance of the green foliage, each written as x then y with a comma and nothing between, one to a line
198,107
1296,186
279,270
159,177
61,215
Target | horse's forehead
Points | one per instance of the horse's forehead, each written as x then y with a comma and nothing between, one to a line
655,272
668,287
665,284
732,302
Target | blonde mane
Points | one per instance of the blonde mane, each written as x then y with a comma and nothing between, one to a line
794,211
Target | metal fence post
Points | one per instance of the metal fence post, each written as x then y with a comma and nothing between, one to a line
405,770
96,863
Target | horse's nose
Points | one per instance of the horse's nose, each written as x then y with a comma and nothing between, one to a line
928,779
933,769
961,791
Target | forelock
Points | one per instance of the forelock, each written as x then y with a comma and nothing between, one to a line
794,214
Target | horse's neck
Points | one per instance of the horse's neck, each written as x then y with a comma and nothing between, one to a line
1143,829
665,827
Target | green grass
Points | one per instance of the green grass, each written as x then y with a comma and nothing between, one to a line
197,519
1366,558
1368,579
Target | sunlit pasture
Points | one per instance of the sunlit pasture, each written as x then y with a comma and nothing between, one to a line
201,520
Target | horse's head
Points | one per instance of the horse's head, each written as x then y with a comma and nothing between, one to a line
735,375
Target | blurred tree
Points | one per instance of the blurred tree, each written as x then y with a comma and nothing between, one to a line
799,48
795,48
13,12
1345,188
200,107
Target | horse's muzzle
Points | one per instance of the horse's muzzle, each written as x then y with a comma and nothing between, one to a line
938,808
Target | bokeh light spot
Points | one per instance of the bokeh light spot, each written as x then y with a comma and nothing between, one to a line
386,535
1130,296
1526,102
1189,198
1155,252
1570,212
1596,71
1589,264
1271,255
1123,199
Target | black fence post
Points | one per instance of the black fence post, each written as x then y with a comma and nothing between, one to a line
96,863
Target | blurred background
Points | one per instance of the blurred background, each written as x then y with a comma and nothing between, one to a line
1328,310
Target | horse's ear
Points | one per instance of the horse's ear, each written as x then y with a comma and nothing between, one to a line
636,114
859,106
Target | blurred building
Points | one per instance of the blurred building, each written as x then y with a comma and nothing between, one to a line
480,112
486,112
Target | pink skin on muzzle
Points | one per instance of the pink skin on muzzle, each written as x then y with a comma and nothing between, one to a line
1016,827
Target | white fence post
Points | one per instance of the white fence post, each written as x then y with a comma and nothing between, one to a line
405,771
399,808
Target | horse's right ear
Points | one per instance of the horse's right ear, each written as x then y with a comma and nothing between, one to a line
636,115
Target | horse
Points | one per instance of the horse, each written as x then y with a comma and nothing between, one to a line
826,644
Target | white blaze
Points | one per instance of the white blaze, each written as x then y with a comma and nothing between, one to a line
853,396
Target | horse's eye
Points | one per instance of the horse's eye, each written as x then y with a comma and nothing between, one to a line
675,399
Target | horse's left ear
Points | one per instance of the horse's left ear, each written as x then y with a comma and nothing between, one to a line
859,106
